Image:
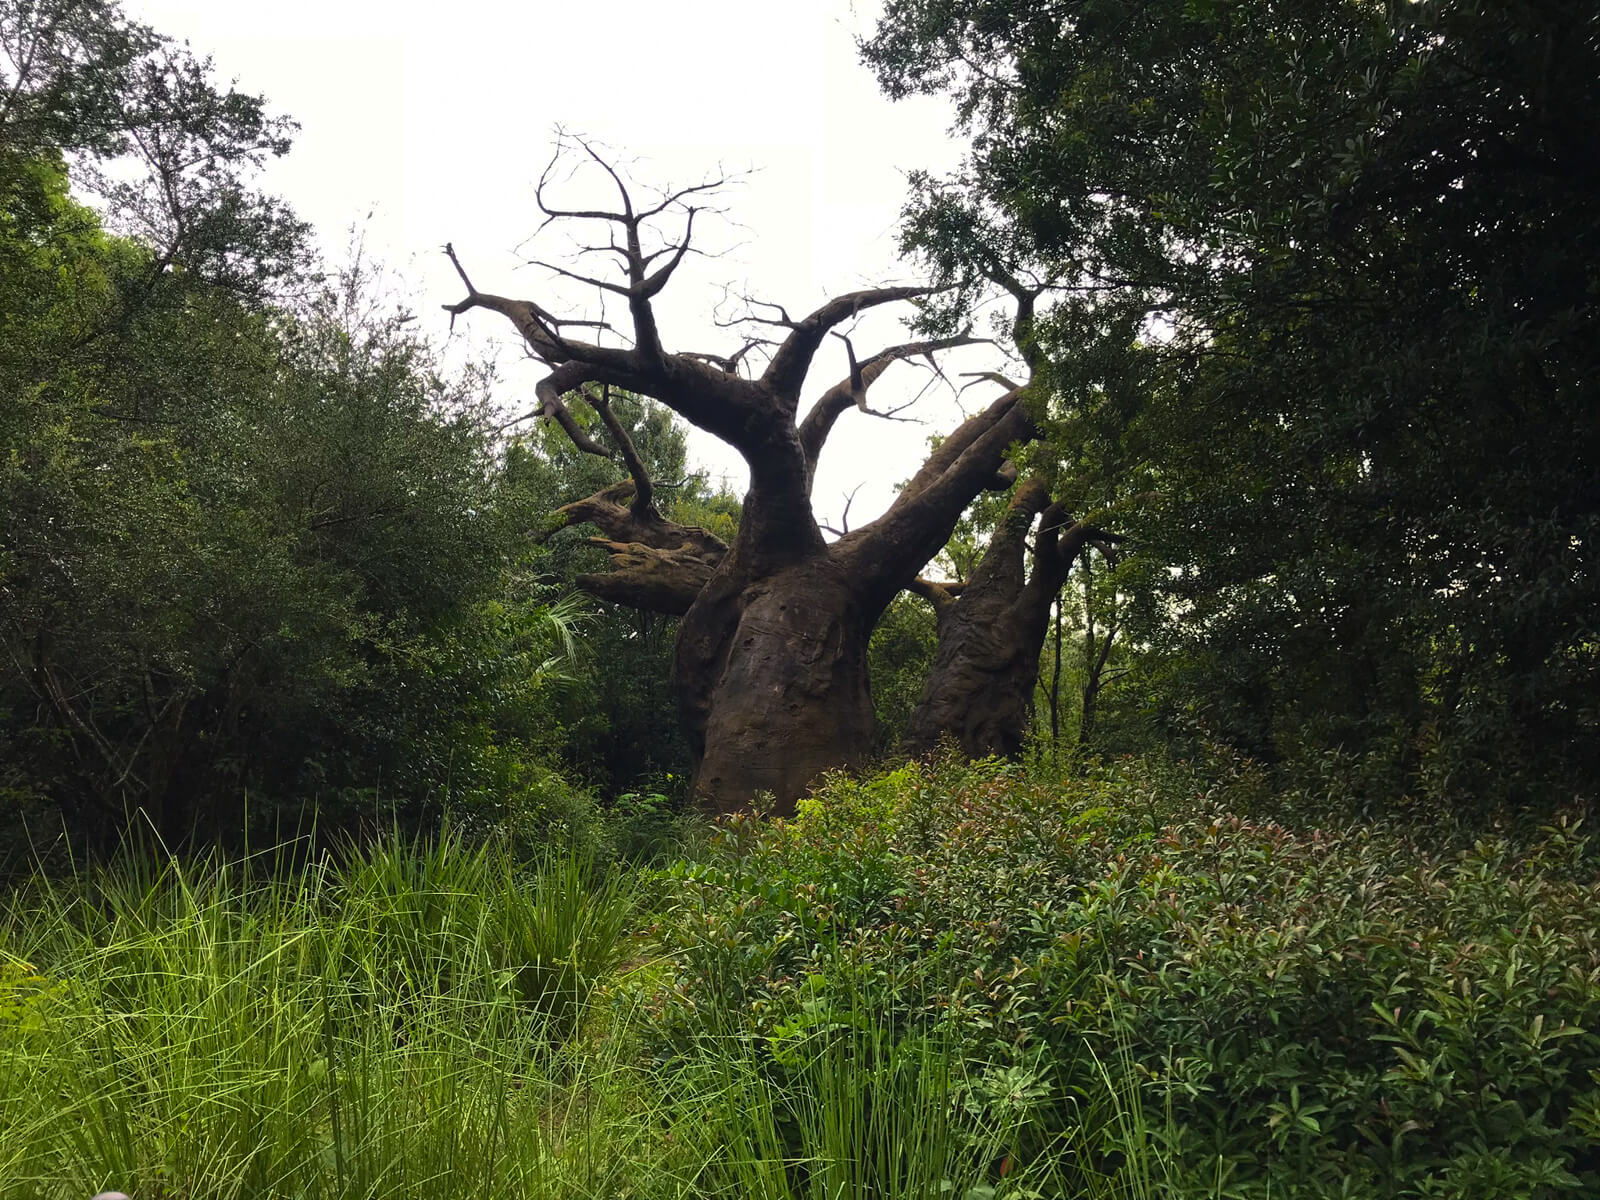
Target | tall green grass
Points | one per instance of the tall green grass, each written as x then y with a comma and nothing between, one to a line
847,1111
844,1098
431,1019
401,1023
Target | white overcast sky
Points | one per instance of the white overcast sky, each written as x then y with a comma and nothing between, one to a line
437,118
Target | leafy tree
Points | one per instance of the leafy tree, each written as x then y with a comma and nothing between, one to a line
251,554
1325,290
169,154
255,549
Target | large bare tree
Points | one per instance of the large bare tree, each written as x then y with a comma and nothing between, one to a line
771,660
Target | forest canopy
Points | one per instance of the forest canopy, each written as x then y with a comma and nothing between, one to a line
1322,336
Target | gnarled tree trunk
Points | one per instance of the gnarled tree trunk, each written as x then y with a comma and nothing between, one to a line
791,699
771,662
980,691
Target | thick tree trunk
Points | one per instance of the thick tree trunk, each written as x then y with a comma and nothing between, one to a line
791,697
771,665
980,691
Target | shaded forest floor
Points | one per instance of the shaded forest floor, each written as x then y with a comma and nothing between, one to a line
951,980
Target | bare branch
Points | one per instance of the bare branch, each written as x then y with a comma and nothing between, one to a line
455,310
938,592
654,283
919,521
540,329
858,387
978,377
728,362
603,284
787,370
610,248
710,185
627,200
844,517
641,285
782,320
583,214
851,391
644,492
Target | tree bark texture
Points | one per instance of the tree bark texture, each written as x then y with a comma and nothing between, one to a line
791,698
980,691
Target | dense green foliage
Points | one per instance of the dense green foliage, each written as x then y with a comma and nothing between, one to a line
245,551
1147,983
948,978
1324,345
899,658
260,560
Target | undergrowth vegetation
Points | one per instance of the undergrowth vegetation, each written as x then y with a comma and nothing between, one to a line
334,1031
946,981
1151,991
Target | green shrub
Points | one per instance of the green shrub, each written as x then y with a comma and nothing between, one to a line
1180,993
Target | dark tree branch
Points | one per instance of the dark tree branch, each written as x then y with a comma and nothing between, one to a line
642,285
787,371
644,491
728,362
844,517
552,407
603,284
540,329
978,377
920,520
1004,479
671,198
781,321
652,284
1026,295
940,593
657,564
949,452
852,390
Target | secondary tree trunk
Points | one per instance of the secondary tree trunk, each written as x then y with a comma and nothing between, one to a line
980,691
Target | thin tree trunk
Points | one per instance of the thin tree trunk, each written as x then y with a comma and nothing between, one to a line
1055,692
